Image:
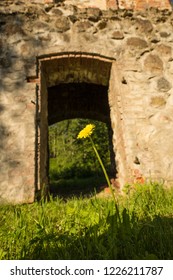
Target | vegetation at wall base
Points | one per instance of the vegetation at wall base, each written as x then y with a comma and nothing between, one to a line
90,228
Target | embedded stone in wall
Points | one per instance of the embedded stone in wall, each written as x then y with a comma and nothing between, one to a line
136,43
117,35
163,85
144,26
164,34
56,11
93,14
13,28
40,27
82,26
153,64
164,50
158,101
62,24
101,24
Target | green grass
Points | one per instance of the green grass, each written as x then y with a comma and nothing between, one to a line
91,228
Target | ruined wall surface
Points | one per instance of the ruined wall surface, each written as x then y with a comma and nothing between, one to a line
115,4
139,42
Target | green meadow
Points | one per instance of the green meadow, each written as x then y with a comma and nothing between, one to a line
138,226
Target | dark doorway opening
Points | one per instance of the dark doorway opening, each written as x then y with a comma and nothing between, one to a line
78,100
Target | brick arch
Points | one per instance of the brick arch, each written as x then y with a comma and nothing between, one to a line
78,86
76,67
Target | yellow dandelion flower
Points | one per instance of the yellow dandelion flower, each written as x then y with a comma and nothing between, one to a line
86,132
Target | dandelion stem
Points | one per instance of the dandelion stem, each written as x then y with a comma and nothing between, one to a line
84,133
103,168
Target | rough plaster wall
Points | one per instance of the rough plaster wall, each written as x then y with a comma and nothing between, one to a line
102,4
141,44
17,137
117,4
143,4
118,126
105,4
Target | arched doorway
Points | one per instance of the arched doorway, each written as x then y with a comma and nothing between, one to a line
76,85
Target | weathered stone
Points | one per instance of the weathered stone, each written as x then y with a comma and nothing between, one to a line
56,12
163,85
117,35
40,27
27,49
44,17
164,51
102,24
136,43
144,26
66,38
93,14
164,34
158,101
5,61
153,64
73,18
13,28
48,8
155,40
44,37
82,26
62,24
128,13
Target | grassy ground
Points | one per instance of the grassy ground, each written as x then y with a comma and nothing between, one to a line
78,187
141,227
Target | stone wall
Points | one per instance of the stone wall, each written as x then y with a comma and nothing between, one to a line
37,40
143,4
105,4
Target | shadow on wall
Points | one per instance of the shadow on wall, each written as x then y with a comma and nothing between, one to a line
17,58
8,160
18,53
3,135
